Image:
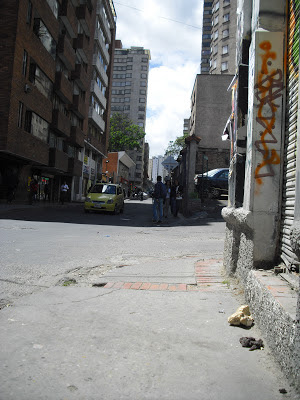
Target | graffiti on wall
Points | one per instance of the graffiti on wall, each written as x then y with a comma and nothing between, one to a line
268,92
293,38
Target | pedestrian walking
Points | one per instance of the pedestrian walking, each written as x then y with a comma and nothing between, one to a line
159,196
176,197
63,192
34,187
167,199
46,192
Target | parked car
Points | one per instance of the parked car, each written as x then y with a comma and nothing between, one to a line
105,197
214,182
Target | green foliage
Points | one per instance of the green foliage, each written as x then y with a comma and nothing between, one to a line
124,134
175,146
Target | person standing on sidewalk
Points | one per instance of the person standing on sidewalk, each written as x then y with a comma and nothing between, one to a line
63,192
159,196
167,199
176,198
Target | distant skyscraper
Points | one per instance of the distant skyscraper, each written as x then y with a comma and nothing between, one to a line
219,37
129,96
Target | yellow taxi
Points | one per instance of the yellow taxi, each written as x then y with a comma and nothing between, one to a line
105,197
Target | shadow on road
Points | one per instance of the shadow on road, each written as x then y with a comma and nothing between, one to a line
136,213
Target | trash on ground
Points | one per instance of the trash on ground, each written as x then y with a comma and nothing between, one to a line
241,317
282,390
252,343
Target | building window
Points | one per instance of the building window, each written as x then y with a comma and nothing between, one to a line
141,116
216,20
142,100
214,64
144,68
24,64
215,49
129,75
225,33
142,108
127,99
216,35
40,80
225,49
226,17
37,126
127,91
145,59
217,6
43,34
142,91
144,76
127,107
129,67
20,114
29,13
206,28
141,124
206,36
226,2
53,4
224,66
143,84
128,83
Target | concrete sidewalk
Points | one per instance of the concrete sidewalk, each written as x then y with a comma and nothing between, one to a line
122,341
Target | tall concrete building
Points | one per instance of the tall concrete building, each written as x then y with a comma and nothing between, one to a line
223,37
219,37
54,122
129,96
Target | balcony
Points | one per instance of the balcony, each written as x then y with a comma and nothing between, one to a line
101,43
96,143
96,119
80,76
66,52
75,167
77,137
68,16
63,87
61,123
78,106
81,44
100,96
105,26
84,15
58,159
97,64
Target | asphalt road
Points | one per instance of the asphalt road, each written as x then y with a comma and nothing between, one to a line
101,306
42,244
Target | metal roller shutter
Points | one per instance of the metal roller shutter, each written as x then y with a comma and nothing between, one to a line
290,144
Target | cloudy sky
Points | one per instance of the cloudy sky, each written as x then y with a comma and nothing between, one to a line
175,59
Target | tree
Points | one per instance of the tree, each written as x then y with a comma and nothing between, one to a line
175,146
124,134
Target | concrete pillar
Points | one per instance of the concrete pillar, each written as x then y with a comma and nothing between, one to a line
264,141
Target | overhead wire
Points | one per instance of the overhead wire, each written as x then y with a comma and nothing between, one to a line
159,16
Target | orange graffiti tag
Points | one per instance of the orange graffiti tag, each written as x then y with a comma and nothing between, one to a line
268,88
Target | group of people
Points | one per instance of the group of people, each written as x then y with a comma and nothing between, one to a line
166,197
34,192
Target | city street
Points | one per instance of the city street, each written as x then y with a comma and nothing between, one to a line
97,306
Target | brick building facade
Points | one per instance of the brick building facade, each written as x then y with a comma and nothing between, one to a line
47,49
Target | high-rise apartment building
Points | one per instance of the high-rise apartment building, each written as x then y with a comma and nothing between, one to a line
55,93
129,96
219,37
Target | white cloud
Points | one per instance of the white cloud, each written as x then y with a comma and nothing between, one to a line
175,59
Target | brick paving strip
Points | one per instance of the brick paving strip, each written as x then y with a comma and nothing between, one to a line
207,273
